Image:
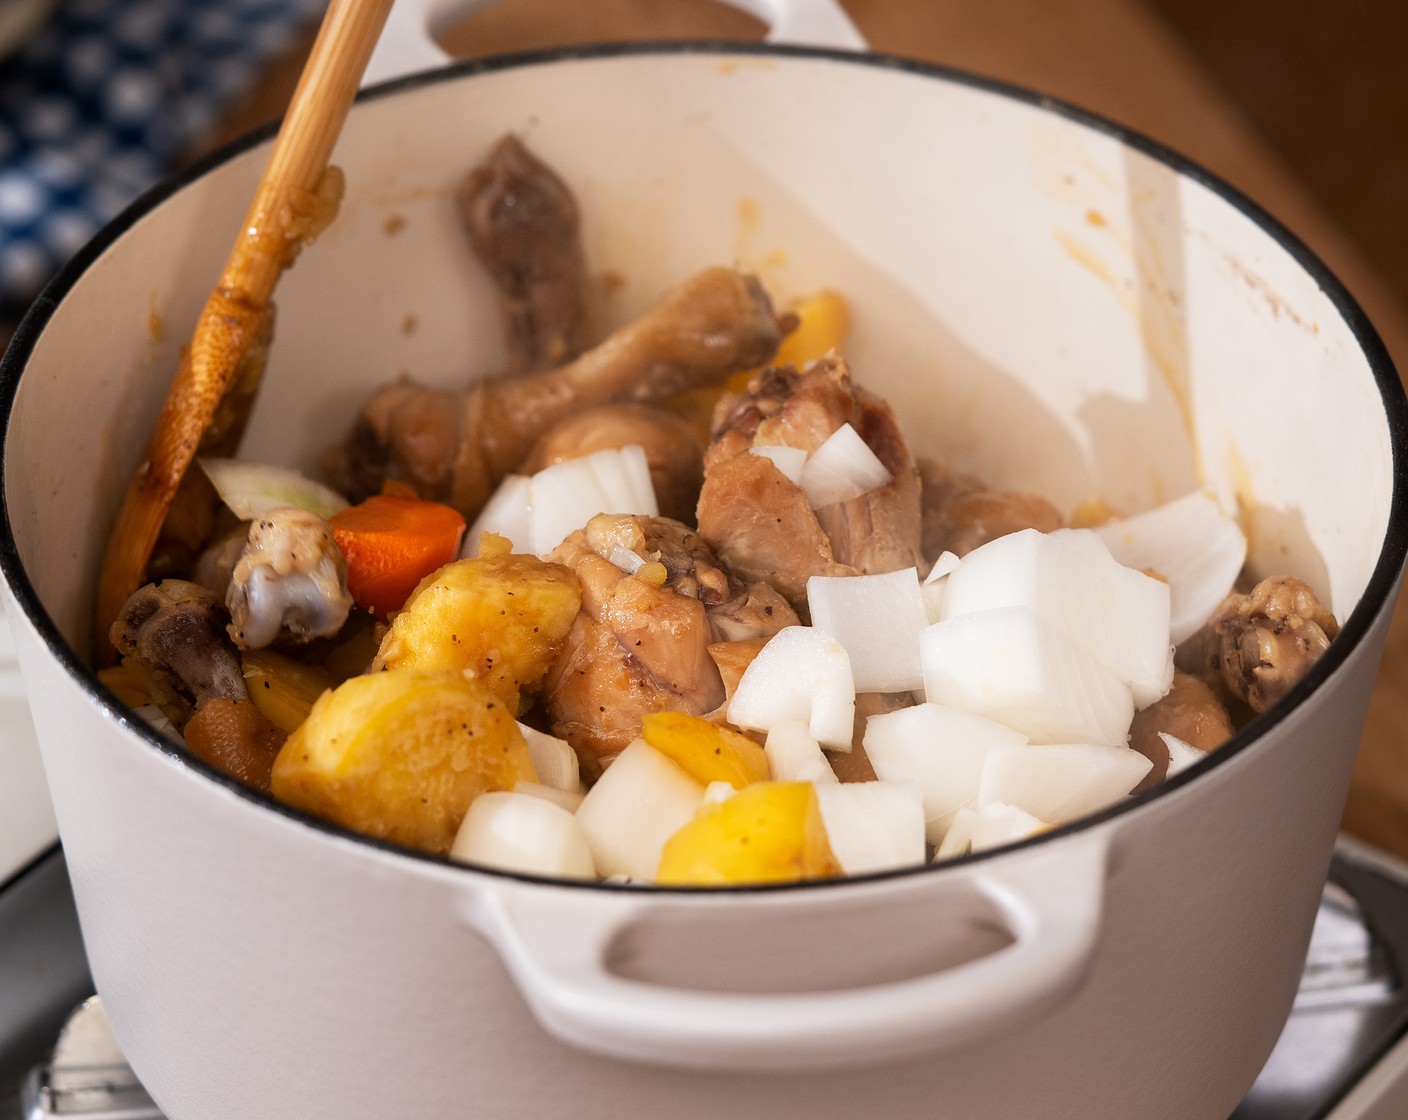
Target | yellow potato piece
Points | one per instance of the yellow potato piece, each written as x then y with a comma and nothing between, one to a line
705,751
771,832
400,755
503,617
283,690
825,319
121,683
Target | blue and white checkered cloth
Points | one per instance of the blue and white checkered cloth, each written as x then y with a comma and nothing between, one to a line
106,97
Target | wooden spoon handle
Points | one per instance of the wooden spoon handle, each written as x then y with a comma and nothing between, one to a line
295,198
279,217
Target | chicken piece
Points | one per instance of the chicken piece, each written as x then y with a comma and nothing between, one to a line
672,449
1259,644
1190,711
760,521
733,659
641,642
456,447
525,228
177,630
290,580
960,513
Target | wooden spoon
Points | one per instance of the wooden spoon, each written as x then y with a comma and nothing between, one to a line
210,396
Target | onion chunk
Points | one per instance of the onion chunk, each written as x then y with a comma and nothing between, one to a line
878,618
1191,543
801,674
842,468
1011,665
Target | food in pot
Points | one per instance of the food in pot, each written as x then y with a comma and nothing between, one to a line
658,609
790,652
1257,645
767,525
456,447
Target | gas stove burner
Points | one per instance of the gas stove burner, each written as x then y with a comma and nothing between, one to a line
87,1076
1342,1056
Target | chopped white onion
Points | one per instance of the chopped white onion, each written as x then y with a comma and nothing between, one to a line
1181,755
253,489
628,561
1193,544
1011,665
801,674
794,756
998,824
716,793
156,719
509,513
1116,614
934,584
568,799
939,749
878,618
945,565
519,832
639,802
624,477
1059,782
842,468
789,460
554,759
873,826
565,496
959,835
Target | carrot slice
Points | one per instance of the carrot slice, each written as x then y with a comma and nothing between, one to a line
391,543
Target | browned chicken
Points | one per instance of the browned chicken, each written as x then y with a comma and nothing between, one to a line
960,513
282,577
672,449
177,629
1258,645
523,224
455,447
289,581
760,520
641,642
1190,711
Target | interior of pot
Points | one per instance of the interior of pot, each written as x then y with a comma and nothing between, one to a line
1044,304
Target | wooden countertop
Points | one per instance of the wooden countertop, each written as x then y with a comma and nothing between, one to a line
1111,56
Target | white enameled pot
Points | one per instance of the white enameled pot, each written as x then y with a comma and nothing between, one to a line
1047,300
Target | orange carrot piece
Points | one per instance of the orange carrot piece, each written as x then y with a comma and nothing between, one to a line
391,543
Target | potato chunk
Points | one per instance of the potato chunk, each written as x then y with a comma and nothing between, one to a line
769,832
284,690
503,617
705,751
400,755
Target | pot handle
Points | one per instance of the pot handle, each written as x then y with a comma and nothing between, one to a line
407,45
558,951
